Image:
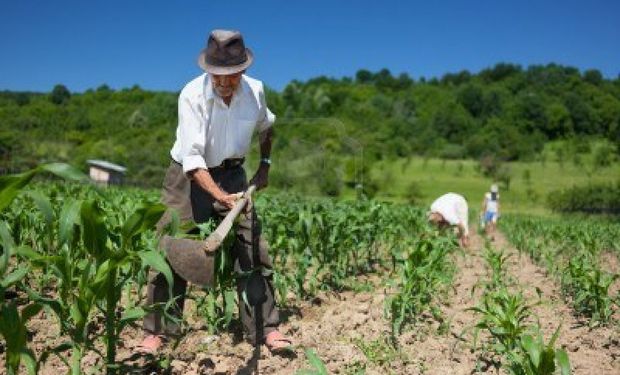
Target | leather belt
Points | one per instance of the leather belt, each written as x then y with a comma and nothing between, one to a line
229,164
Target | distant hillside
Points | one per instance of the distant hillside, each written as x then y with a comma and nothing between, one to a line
506,111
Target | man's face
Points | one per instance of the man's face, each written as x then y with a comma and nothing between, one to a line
225,85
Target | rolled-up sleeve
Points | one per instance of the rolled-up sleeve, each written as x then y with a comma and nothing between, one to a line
266,118
192,137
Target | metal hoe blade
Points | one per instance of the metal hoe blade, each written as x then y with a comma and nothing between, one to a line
194,260
189,259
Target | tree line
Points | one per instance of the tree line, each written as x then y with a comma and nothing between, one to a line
506,112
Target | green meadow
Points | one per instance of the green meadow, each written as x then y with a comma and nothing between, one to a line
421,180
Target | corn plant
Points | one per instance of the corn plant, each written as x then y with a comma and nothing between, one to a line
535,357
425,269
504,316
570,249
328,243
92,256
93,265
89,247
380,352
496,262
589,287
13,322
219,302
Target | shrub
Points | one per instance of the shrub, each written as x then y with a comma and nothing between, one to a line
595,199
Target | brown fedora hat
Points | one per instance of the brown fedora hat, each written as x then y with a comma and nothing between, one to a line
225,53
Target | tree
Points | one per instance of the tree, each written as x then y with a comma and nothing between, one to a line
404,81
457,79
499,72
363,76
593,76
581,113
60,95
471,97
559,123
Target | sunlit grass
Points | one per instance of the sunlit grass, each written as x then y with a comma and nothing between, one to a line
434,177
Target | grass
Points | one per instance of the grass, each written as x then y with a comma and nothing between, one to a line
434,177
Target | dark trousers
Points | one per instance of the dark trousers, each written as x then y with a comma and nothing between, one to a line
192,202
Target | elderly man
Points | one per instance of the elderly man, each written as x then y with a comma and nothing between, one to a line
451,210
218,113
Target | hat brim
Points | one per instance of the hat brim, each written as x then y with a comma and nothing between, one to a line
225,70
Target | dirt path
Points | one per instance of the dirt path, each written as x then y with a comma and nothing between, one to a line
450,353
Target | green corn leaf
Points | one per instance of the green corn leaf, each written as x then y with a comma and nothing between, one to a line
29,311
99,283
28,253
65,171
563,361
69,217
5,236
229,298
144,218
316,362
7,247
157,261
76,314
15,276
11,185
52,303
28,359
533,350
133,314
56,351
555,336
9,324
95,233
44,205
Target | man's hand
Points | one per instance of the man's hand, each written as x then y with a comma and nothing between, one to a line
261,178
205,181
228,200
464,241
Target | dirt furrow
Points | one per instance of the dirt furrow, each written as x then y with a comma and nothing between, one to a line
451,353
591,351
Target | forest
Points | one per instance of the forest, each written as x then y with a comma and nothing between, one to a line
505,112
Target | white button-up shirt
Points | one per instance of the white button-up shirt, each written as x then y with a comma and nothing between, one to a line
453,208
210,131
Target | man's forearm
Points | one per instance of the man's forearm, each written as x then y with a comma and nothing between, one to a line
462,230
265,139
205,181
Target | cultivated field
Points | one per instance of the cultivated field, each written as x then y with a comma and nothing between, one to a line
364,287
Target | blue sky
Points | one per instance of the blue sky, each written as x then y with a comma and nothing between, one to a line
154,44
